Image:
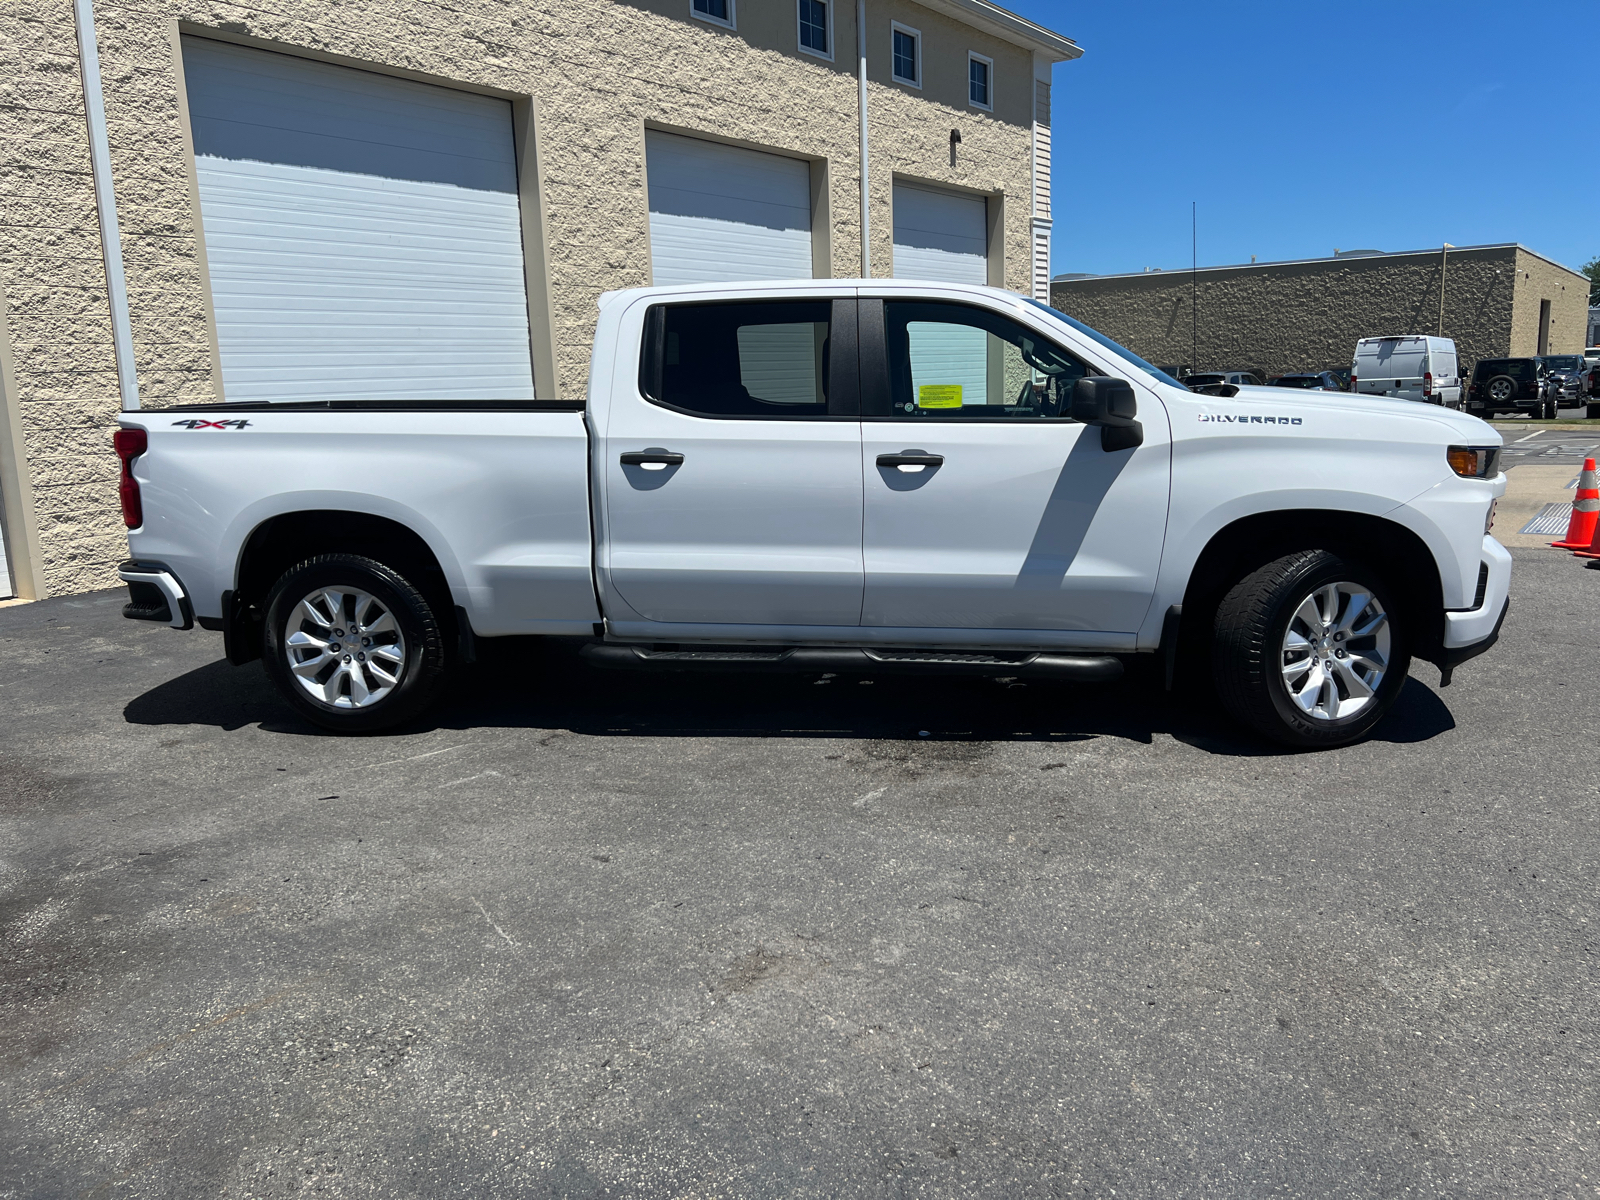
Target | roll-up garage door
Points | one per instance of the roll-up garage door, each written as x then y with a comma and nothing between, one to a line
362,232
720,213
940,235
7,589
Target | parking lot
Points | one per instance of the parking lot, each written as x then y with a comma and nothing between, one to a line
602,934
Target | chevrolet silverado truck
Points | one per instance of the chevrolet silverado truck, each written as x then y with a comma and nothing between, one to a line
832,476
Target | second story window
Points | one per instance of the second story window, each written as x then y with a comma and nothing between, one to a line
718,12
814,34
980,71
907,55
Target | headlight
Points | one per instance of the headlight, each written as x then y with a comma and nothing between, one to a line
1474,462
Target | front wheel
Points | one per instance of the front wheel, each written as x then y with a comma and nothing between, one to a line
350,644
1310,650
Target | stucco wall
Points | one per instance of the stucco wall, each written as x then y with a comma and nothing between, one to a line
1568,294
1308,316
599,70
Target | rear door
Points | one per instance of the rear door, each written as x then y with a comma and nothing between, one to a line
732,467
985,507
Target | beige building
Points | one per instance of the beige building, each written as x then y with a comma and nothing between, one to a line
1308,316
399,197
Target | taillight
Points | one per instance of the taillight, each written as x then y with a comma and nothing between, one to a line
1427,383
130,443
1353,382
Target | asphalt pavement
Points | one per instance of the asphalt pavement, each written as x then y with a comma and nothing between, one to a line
594,934
1545,446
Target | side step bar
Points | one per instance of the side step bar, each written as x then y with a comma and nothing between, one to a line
1074,668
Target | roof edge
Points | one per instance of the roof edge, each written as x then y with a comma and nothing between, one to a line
1298,262
1008,25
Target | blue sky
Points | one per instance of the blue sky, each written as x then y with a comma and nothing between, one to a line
1299,128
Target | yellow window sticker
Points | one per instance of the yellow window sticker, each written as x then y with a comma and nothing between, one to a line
939,395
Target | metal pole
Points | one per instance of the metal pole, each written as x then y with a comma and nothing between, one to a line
105,202
1194,287
1444,264
866,200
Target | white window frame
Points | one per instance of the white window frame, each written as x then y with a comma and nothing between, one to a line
733,16
827,25
988,62
916,35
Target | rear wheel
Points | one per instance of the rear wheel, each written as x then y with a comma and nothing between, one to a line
1502,390
351,644
1310,650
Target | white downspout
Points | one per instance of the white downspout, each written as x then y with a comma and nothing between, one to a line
105,202
866,194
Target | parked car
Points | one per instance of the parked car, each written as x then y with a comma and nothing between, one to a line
1564,376
830,476
1321,381
1408,367
1510,385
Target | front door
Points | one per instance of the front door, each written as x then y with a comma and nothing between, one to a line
733,470
986,507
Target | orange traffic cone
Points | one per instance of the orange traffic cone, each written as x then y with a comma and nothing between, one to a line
1585,512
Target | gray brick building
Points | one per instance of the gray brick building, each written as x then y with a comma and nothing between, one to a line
1308,315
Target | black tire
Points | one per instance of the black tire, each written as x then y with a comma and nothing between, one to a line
420,644
1248,656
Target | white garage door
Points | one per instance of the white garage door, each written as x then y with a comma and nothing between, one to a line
938,235
720,213
362,232
7,590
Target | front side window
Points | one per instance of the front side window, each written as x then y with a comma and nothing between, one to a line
755,359
907,56
979,72
954,362
718,11
814,28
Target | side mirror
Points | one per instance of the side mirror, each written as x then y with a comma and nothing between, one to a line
1110,404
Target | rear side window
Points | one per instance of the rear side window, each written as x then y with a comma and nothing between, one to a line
742,359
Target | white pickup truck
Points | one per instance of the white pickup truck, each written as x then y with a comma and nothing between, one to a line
833,476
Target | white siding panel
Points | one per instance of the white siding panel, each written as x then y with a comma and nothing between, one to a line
7,588
940,236
363,233
721,213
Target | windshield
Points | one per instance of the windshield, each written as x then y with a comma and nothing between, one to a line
1101,339
1299,381
1562,362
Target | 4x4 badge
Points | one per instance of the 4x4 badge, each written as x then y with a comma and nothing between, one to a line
199,424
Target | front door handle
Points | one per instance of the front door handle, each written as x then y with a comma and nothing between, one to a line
651,460
911,461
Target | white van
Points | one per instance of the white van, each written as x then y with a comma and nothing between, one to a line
1410,366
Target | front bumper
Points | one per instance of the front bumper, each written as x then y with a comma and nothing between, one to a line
155,594
1468,632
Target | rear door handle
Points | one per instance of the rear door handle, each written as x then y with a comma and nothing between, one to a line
651,460
911,462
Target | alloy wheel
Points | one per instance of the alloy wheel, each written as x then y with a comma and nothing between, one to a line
344,647
1335,651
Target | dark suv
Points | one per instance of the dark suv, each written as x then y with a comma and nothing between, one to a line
1511,385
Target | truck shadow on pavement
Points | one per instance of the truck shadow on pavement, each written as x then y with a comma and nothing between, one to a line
528,685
